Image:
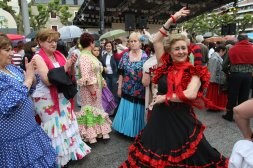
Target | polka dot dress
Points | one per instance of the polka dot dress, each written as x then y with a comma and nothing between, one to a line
23,142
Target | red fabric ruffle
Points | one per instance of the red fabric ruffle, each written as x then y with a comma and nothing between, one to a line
217,96
146,157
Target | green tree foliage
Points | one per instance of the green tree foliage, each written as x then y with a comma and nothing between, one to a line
38,21
60,10
16,16
4,24
209,22
245,22
64,15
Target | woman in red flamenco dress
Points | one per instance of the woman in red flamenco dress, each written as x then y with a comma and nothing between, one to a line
218,78
173,137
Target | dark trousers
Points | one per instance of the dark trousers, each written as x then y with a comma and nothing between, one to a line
238,90
111,81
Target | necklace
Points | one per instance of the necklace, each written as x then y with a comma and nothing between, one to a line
135,56
52,58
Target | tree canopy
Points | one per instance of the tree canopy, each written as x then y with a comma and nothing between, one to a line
38,21
213,22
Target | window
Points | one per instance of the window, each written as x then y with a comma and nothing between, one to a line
75,2
54,28
53,15
63,2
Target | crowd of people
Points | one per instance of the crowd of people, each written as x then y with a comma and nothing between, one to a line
150,91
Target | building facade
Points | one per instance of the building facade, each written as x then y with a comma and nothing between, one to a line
245,7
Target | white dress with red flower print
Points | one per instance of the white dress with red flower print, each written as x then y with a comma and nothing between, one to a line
61,127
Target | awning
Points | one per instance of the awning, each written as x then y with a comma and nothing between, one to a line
149,11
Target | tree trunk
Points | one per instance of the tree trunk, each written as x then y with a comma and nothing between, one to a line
20,25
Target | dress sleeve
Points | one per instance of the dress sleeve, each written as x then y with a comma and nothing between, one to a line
203,73
86,70
121,64
12,95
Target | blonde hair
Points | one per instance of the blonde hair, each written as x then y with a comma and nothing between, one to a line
174,38
135,35
45,34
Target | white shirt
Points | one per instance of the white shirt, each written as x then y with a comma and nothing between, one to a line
211,51
242,155
150,63
108,64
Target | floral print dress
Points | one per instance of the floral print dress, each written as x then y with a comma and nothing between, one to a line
61,126
129,119
132,76
92,119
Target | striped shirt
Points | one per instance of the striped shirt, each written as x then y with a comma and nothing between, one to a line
16,59
196,51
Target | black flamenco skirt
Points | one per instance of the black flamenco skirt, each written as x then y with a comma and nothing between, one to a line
173,137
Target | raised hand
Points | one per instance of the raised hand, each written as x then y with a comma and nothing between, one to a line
29,73
70,62
181,13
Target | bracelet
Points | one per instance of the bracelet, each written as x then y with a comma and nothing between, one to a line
163,33
94,94
173,19
167,29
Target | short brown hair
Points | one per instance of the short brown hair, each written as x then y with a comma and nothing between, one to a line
45,34
5,42
86,39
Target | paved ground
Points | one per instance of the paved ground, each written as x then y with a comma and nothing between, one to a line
220,133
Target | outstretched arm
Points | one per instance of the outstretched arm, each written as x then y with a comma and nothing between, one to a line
158,37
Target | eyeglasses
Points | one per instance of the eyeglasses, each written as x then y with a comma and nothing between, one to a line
51,41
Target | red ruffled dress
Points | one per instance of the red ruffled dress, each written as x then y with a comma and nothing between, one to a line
217,96
174,137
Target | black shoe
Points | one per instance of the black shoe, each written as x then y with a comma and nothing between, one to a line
105,141
211,110
225,117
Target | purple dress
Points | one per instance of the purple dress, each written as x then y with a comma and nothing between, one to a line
108,100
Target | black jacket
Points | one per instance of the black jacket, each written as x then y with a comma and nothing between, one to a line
112,62
63,82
